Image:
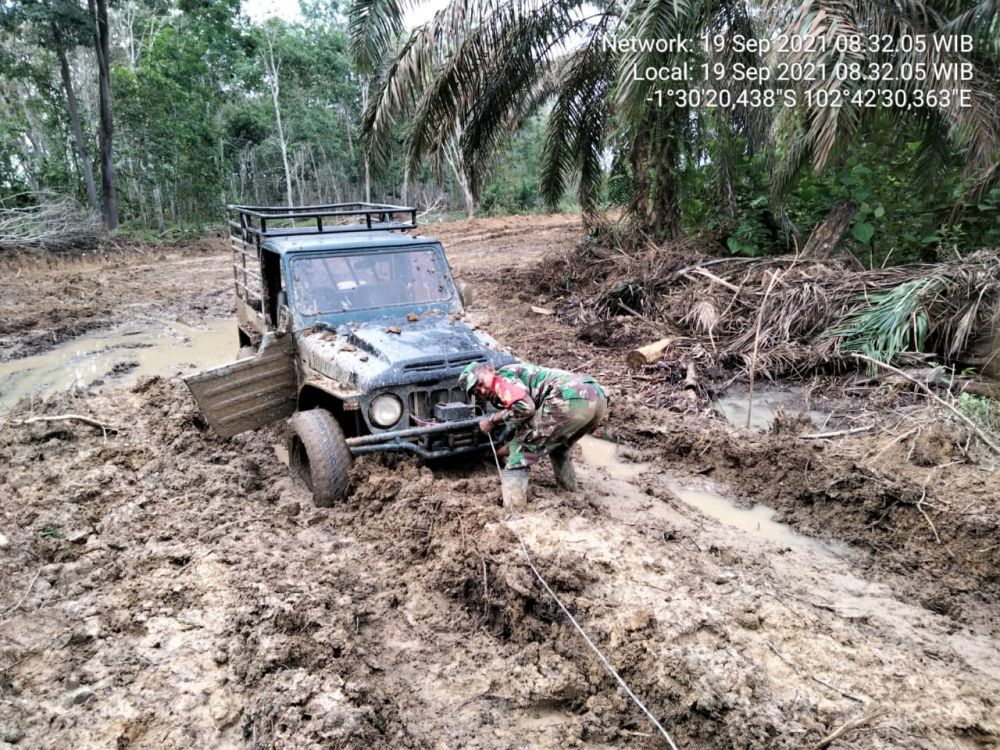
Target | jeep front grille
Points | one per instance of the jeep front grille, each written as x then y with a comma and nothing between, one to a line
449,363
422,402
434,364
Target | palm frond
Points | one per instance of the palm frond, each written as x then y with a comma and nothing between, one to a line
574,136
373,28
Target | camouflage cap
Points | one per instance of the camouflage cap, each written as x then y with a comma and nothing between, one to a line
470,376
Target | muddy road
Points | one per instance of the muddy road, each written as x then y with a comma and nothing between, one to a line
163,588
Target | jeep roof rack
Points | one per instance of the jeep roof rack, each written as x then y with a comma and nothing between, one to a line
254,223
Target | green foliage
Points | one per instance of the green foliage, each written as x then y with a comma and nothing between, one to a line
982,410
521,101
891,322
514,185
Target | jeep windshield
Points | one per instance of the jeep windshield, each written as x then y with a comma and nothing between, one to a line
340,283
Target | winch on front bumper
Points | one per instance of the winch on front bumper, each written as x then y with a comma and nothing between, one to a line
453,431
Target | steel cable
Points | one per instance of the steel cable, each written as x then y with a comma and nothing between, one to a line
600,655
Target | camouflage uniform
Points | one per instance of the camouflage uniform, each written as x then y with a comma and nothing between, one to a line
549,409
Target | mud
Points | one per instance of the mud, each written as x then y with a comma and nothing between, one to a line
50,300
163,588
124,353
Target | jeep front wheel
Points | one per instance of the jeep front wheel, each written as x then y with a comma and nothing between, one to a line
318,455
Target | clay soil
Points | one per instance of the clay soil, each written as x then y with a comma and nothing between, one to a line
163,588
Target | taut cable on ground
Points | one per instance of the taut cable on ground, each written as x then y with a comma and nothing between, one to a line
600,655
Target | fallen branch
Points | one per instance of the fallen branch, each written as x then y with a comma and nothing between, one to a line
24,597
70,418
651,323
58,225
836,689
923,386
691,383
847,727
836,433
756,344
712,277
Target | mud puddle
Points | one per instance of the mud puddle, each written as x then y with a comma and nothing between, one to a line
767,404
128,352
757,521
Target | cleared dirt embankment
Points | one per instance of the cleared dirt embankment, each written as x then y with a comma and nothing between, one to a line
164,588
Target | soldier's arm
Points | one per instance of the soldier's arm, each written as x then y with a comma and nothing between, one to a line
516,404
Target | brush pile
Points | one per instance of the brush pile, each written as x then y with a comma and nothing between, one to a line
54,226
784,315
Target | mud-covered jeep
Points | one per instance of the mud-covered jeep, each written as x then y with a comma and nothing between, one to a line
354,329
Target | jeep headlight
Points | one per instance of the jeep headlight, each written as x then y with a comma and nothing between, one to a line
385,410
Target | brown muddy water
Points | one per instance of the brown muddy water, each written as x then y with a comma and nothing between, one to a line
765,406
756,520
124,353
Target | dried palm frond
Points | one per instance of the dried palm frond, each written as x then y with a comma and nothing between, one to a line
702,316
817,314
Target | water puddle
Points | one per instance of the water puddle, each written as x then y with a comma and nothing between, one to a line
756,521
127,352
604,453
766,405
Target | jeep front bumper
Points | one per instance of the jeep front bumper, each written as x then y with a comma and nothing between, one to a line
413,440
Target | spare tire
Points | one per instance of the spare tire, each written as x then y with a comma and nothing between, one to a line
318,455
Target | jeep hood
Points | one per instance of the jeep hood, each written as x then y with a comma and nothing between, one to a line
372,355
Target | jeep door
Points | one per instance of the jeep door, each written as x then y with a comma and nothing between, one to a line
249,393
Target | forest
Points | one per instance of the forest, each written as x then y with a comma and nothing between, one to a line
156,114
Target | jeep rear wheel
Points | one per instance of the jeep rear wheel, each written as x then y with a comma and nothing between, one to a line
318,455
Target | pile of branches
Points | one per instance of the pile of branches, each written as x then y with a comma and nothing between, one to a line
788,315
52,225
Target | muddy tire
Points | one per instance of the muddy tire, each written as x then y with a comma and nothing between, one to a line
318,456
246,352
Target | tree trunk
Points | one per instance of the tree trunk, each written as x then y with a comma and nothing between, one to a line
273,83
74,117
158,203
666,212
99,10
368,170
824,239
453,155
655,198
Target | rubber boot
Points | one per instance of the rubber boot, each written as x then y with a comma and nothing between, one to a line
562,467
514,488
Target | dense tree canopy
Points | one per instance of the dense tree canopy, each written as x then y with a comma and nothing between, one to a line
198,93
506,105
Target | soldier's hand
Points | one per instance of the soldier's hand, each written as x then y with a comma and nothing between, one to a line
486,425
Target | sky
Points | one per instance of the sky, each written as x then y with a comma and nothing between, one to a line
258,10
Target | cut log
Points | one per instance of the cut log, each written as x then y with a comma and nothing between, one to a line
825,238
648,354
691,382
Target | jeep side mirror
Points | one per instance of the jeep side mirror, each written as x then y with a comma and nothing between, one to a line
465,294
284,321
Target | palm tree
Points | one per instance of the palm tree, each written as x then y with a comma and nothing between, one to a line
815,132
478,68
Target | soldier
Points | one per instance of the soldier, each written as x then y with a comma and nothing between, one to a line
548,409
